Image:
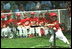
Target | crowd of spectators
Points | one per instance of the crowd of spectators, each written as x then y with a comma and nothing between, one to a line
17,6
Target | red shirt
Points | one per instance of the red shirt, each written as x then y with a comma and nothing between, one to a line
35,19
40,20
57,25
26,21
44,19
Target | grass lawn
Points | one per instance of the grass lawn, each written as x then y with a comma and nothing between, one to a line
34,42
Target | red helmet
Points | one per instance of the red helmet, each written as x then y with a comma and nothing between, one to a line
32,13
52,14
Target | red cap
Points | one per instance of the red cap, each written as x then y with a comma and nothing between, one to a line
24,20
52,14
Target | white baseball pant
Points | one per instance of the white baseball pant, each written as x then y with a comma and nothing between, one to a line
59,35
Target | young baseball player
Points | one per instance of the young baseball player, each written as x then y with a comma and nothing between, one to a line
10,34
19,27
41,28
55,26
4,31
26,26
32,20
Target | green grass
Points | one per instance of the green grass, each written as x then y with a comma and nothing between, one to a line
35,42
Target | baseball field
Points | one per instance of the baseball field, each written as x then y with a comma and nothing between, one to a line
33,42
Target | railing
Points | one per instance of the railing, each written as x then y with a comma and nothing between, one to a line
39,11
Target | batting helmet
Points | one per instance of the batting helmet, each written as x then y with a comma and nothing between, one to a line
52,14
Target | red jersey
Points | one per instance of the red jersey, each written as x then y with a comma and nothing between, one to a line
40,20
27,21
33,20
45,20
57,25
